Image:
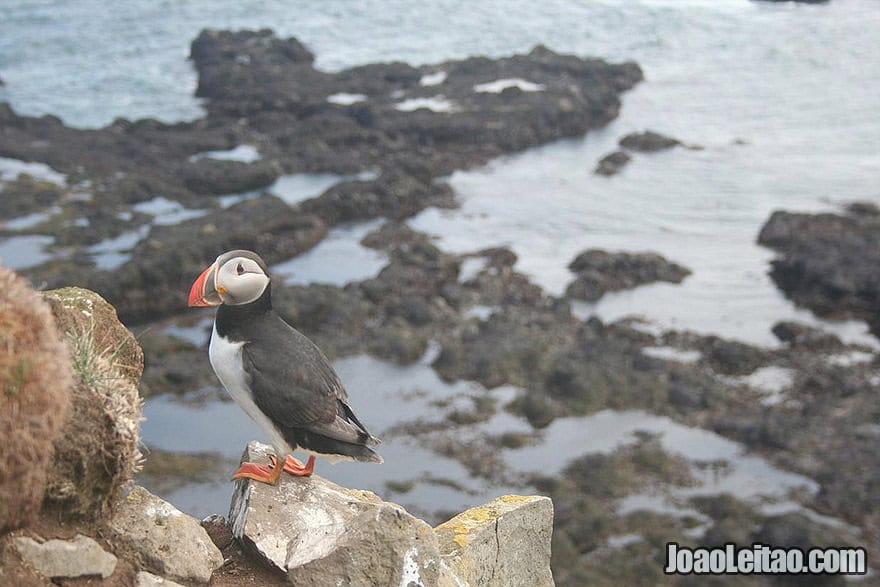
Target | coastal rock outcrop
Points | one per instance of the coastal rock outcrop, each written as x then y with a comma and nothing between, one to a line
599,272
648,142
828,262
319,533
389,130
612,163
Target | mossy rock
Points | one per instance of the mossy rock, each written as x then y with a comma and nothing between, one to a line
99,451
79,310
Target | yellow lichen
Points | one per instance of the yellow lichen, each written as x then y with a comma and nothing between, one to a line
464,524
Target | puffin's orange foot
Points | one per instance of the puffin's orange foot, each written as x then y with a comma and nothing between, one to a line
258,472
297,469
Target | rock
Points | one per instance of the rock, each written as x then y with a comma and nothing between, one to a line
97,451
600,272
35,381
25,195
218,530
648,142
731,357
612,163
505,542
802,335
79,557
325,535
213,176
828,262
145,579
394,195
166,541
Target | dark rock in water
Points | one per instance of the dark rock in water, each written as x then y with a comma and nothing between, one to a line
612,163
648,142
385,110
829,262
731,357
234,68
211,176
393,195
600,272
801,335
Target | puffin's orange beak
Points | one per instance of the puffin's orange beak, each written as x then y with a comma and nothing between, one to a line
203,292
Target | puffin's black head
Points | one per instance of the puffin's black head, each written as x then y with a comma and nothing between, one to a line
235,278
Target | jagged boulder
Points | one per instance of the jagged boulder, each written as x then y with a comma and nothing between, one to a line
321,534
505,542
80,557
34,398
163,539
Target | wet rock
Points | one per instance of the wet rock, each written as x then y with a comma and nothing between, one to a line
828,262
801,335
612,163
165,540
319,533
234,68
506,541
273,83
731,357
599,272
212,176
648,142
145,579
79,557
393,195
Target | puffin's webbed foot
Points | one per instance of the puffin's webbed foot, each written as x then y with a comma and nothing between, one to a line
258,472
297,469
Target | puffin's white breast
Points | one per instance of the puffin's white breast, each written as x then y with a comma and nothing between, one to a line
226,359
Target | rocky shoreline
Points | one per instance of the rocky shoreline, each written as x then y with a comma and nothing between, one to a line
391,132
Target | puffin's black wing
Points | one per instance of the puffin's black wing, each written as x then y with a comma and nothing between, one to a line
294,384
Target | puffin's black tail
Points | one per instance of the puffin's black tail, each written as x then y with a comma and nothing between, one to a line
331,447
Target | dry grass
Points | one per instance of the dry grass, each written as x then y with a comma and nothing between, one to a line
34,398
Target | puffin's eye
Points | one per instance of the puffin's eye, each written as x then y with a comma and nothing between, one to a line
239,269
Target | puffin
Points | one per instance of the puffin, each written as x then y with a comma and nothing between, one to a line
279,377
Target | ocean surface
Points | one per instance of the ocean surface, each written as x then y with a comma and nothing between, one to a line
783,99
